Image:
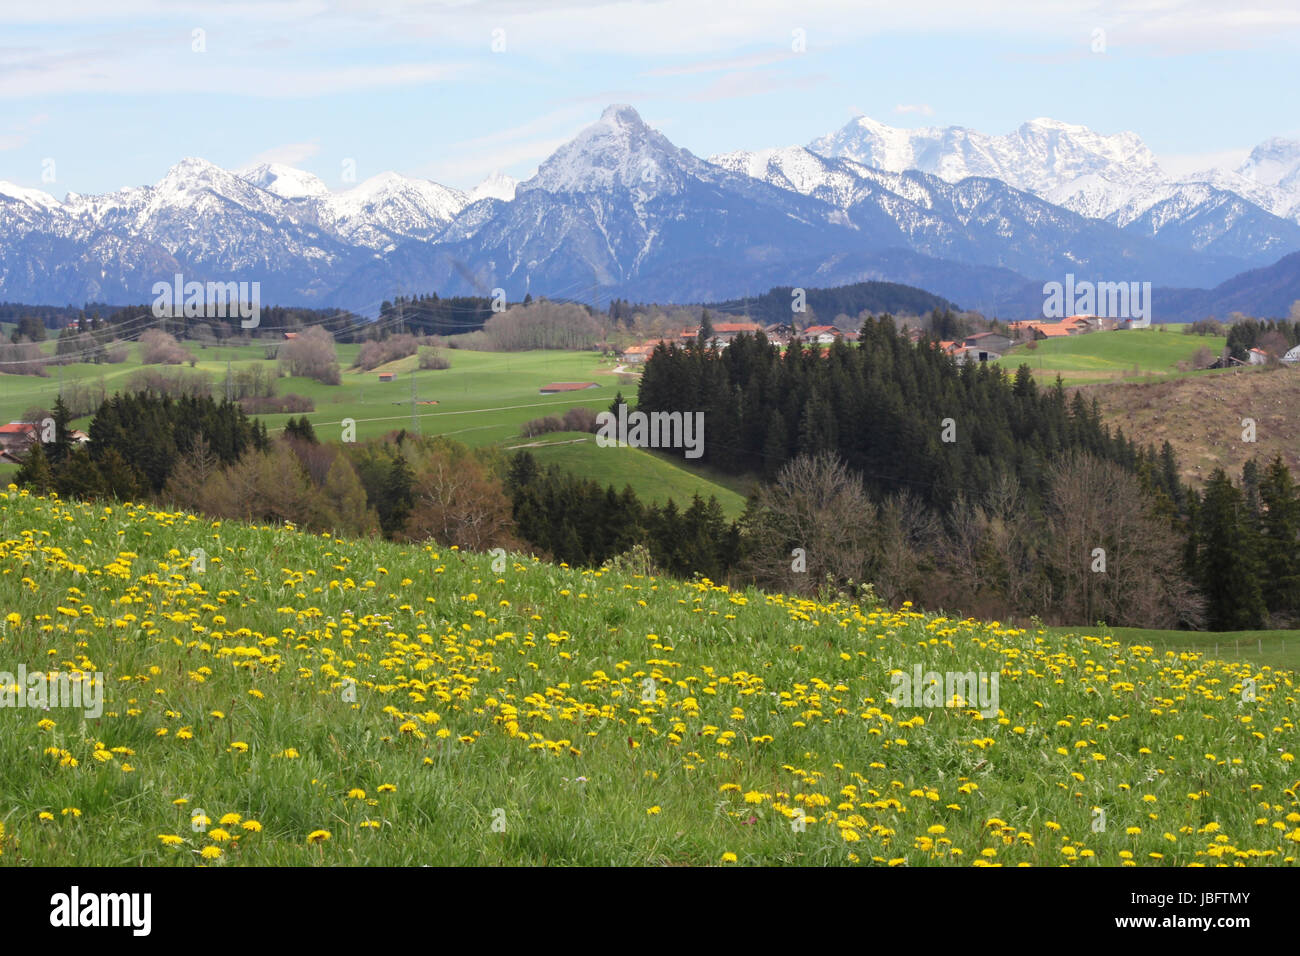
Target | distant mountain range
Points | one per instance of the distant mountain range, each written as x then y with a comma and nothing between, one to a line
621,211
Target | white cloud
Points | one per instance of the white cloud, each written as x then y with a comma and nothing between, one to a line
290,154
1185,164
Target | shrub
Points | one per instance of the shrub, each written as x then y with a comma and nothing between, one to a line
172,384
580,419
542,426
311,355
25,358
433,360
381,351
160,348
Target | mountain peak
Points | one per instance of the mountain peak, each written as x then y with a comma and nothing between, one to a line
497,186
285,181
622,115
618,150
32,197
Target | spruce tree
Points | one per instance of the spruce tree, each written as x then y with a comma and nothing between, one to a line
1227,570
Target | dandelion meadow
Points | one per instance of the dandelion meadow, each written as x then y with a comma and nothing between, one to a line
273,697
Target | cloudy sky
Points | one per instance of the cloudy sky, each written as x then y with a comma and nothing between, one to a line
100,95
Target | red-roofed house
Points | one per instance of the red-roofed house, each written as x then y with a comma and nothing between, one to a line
17,437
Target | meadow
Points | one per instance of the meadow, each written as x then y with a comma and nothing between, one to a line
482,400
284,698
1133,355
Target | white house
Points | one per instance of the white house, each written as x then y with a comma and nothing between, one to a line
1292,357
1257,356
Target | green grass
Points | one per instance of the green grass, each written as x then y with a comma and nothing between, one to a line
483,399
529,714
655,477
1277,648
1103,355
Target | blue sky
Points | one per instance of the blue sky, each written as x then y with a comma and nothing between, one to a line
114,93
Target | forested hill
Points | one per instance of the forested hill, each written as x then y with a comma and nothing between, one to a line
902,416
824,304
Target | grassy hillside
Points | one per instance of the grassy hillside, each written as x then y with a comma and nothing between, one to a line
1138,354
1201,417
483,399
655,477
321,701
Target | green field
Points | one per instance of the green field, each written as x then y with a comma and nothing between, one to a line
1275,648
655,477
483,399
297,699
1100,356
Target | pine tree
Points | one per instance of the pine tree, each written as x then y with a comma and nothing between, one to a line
706,333
398,498
62,441
1280,541
35,473
1227,570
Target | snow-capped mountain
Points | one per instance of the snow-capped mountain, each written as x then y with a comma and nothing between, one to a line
968,216
1242,214
1274,162
285,181
497,186
1041,155
388,208
982,220
620,206
623,207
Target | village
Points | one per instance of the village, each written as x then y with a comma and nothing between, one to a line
988,346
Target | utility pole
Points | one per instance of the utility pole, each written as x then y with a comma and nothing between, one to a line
228,382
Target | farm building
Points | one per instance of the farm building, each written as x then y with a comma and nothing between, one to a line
724,332
820,334
17,437
387,376
1292,357
556,387
1257,357
988,342
636,354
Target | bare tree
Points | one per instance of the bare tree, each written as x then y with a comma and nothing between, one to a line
311,355
458,503
815,524
161,348
1115,560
